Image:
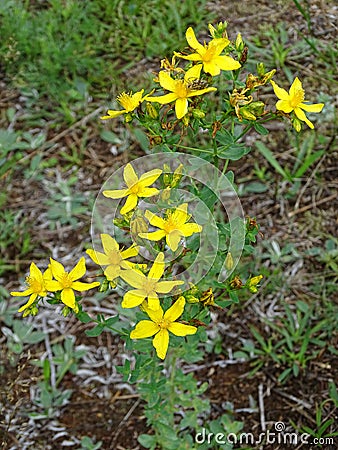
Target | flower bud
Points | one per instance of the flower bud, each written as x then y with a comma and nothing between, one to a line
239,44
229,262
261,69
256,108
66,310
296,124
219,31
198,113
166,175
128,117
178,174
138,225
151,110
253,282
246,114
104,286
165,194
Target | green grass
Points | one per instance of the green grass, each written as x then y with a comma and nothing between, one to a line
66,51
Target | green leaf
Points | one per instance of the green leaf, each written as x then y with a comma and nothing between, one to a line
83,317
233,153
268,155
147,440
260,129
109,136
96,331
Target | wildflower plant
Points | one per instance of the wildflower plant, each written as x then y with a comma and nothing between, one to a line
171,252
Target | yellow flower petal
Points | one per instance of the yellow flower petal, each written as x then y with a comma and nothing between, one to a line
180,214
68,297
314,108
193,42
79,286
148,192
173,239
180,329
133,298
188,229
296,86
163,99
301,116
53,286
109,244
211,67
22,294
163,287
279,92
79,270
112,114
112,272
130,252
166,81
134,278
129,175
175,311
57,269
150,177
158,267
153,236
226,63
99,258
29,303
155,315
154,220
161,343
153,302
181,107
284,105
144,329
130,204
116,193
193,73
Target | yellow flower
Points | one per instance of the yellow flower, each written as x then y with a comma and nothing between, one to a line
37,285
210,54
147,287
253,282
180,90
113,257
160,325
294,101
128,101
173,228
136,187
66,282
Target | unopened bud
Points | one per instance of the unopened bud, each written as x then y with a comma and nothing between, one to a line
66,310
239,44
138,225
229,262
198,113
104,286
296,124
165,194
261,69
128,117
178,174
246,114
151,110
219,31
185,120
256,108
166,175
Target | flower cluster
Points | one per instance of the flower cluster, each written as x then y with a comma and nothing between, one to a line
54,280
184,87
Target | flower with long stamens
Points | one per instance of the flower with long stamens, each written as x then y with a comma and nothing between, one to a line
113,257
210,54
160,325
128,101
136,187
66,282
36,281
147,287
180,90
294,101
173,228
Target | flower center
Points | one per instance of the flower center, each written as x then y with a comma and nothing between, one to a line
170,225
209,54
164,324
181,89
149,285
128,103
114,258
66,281
134,189
34,284
297,98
